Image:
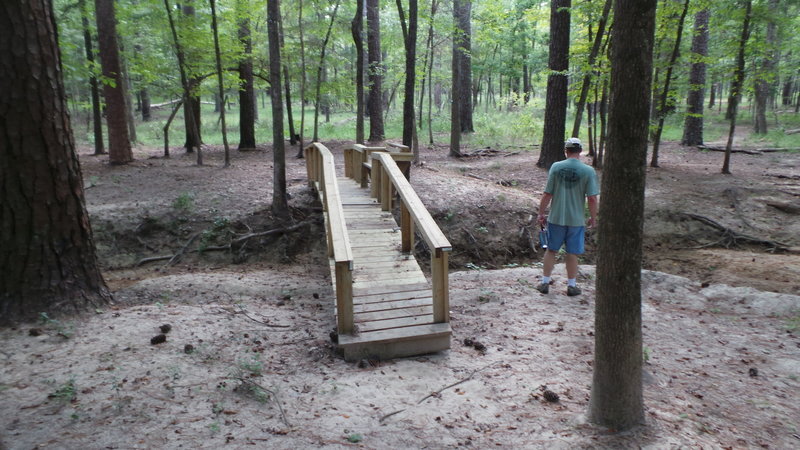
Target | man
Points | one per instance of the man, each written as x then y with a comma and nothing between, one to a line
570,183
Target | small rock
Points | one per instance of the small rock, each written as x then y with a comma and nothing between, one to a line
334,337
165,328
188,349
753,372
469,342
550,396
158,339
35,332
479,346
315,295
363,364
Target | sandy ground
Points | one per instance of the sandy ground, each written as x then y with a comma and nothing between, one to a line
247,360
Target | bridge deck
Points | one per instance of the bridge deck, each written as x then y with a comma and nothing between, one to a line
392,299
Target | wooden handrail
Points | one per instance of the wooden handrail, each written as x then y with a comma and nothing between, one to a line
414,213
322,176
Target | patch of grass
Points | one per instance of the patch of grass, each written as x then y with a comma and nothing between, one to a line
65,330
184,202
354,438
66,392
793,324
252,367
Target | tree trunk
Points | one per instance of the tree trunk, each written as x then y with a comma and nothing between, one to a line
464,23
616,400
126,94
191,107
320,66
456,95
665,106
555,114
598,40
119,144
47,253
288,91
247,101
144,96
765,83
280,203
97,117
693,125
357,30
220,85
712,97
738,82
375,101
410,41
302,75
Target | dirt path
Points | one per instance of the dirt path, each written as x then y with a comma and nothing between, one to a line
248,362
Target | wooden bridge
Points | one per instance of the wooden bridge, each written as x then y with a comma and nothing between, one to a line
385,306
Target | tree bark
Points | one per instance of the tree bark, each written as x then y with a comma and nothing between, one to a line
357,30
280,203
555,114
302,75
665,106
616,400
119,144
220,85
375,100
144,95
47,253
191,107
410,41
464,23
738,82
598,40
693,125
456,95
247,101
97,117
765,84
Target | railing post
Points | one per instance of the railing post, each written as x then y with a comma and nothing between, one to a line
377,169
344,298
386,191
406,229
348,171
441,288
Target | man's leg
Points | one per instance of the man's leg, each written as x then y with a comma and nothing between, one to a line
572,266
574,248
549,263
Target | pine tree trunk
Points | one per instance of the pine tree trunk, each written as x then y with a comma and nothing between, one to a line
144,96
357,30
47,253
410,42
247,101
321,72
464,23
693,125
616,400
220,85
280,203
555,114
598,40
456,95
119,144
375,100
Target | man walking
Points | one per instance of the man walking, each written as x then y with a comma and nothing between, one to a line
570,183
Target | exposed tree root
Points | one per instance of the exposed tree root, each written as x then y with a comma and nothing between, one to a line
732,238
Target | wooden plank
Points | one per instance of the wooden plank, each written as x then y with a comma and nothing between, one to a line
389,297
400,279
441,288
377,325
395,313
344,298
396,342
389,289
397,304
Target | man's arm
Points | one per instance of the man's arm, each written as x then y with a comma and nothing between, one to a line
542,218
592,199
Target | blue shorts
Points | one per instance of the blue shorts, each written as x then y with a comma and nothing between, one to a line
561,234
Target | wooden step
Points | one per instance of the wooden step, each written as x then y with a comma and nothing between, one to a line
396,342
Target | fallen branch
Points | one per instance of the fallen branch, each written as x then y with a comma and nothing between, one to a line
244,311
730,237
751,151
792,131
464,380
472,175
182,251
272,393
785,207
153,259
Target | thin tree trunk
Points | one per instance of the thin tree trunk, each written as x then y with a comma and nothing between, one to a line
375,101
456,95
302,78
693,125
288,91
712,97
220,85
280,203
465,75
319,71
598,40
664,108
765,83
144,95
738,82
126,94
247,98
555,115
357,30
119,144
97,117
191,107
47,252
616,400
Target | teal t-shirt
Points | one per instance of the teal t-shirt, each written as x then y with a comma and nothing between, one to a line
570,182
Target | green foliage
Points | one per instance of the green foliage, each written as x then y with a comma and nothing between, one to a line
66,392
184,202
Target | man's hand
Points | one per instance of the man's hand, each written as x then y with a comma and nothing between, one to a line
541,219
591,223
